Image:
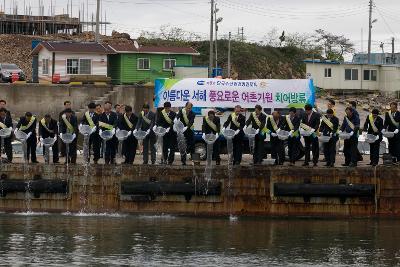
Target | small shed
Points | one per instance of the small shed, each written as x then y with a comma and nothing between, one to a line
66,60
133,64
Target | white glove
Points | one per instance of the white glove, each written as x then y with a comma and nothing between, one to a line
41,140
134,131
383,131
100,132
223,129
257,131
274,134
28,135
80,125
340,132
245,127
10,128
216,136
117,130
185,128
113,131
396,131
94,129
55,138
148,131
129,133
203,136
351,133
312,130
154,128
167,129
376,138
175,120
15,131
237,131
73,136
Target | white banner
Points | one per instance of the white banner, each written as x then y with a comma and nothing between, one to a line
229,93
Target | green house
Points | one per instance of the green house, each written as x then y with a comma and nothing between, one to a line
133,64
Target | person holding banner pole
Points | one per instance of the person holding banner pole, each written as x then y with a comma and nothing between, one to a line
292,124
166,120
212,125
392,124
186,116
258,120
236,121
374,125
310,122
329,127
351,125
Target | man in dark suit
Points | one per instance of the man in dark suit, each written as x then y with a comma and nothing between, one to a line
69,124
186,116
67,105
128,122
392,124
3,104
145,123
329,127
351,125
275,124
236,121
27,124
374,125
211,125
353,105
310,122
6,122
91,118
166,120
258,120
292,124
48,128
108,120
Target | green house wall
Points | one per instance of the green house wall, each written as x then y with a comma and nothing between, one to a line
122,68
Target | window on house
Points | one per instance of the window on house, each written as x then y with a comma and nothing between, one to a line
45,66
72,66
370,75
85,66
143,64
351,74
169,64
328,72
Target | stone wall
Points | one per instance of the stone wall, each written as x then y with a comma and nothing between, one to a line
41,99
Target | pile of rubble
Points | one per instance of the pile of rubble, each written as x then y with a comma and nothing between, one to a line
366,102
16,48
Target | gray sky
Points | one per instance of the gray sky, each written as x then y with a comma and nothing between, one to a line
258,17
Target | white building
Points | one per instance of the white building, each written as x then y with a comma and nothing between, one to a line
337,76
66,59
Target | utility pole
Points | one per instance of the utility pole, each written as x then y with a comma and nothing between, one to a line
210,64
229,55
216,36
369,30
97,38
393,57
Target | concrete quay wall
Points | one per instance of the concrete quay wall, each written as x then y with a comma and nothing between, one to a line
248,191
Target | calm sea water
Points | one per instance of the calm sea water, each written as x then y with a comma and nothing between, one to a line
112,239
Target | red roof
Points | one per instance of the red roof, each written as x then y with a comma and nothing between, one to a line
74,47
130,48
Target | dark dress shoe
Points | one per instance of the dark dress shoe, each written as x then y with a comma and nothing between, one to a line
353,165
315,164
305,164
345,165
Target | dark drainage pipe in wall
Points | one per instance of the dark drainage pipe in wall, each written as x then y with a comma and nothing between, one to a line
212,188
36,187
324,190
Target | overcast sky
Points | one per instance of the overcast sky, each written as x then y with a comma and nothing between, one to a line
258,17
